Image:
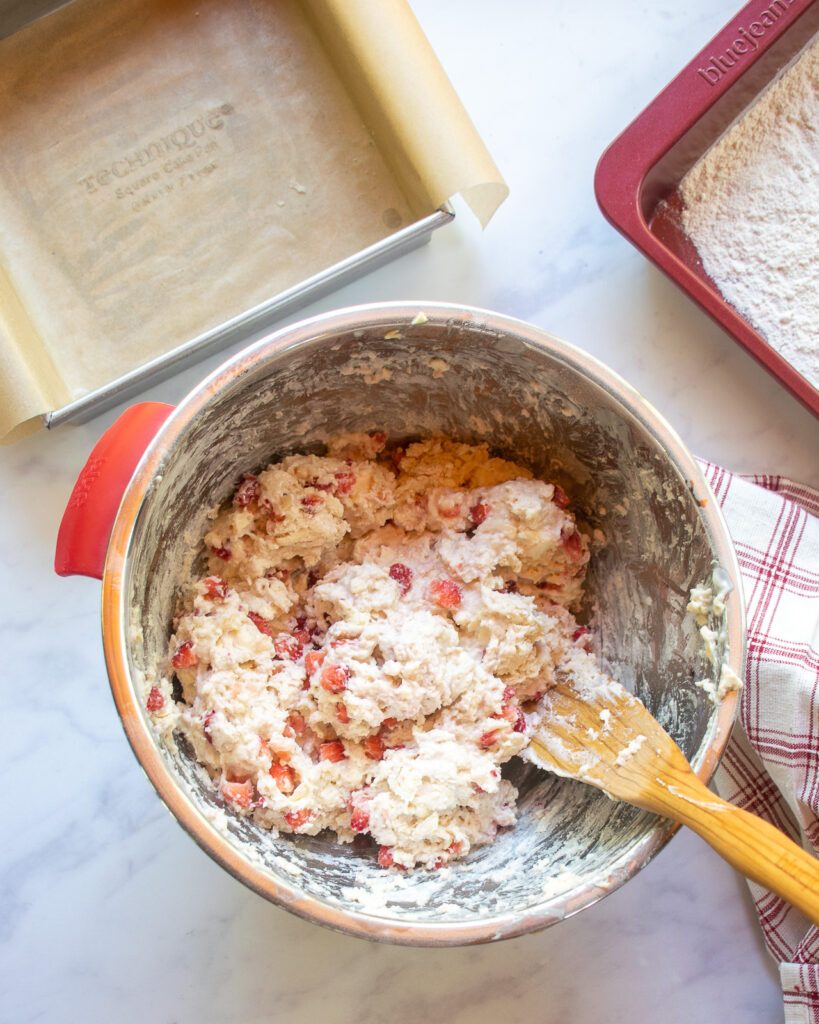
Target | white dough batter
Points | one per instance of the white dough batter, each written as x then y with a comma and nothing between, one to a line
375,628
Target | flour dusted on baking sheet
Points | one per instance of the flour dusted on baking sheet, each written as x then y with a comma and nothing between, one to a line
373,640
751,207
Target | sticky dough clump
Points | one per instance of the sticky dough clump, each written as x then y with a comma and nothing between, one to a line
372,640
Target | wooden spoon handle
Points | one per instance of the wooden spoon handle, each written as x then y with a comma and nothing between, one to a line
759,850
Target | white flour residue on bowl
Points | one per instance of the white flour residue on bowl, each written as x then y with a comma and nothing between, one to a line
562,882
707,606
751,207
369,366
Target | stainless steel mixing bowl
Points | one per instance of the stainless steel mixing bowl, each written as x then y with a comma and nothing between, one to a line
414,370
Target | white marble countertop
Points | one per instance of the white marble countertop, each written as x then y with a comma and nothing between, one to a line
108,911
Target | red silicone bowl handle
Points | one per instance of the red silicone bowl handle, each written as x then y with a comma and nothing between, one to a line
89,516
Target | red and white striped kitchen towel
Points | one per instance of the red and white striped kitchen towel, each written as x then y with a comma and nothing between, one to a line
771,765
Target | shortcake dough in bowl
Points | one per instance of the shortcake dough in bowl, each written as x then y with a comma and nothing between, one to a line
372,641
340,579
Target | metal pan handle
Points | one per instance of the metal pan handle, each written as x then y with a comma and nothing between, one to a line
82,541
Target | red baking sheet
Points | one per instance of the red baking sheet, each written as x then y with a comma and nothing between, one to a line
638,175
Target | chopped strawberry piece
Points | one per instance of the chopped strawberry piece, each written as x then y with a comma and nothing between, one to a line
155,700
489,739
479,512
439,863
341,640
342,714
223,553
284,776
455,848
560,498
379,438
509,712
359,820
215,588
313,660
260,623
445,593
373,747
302,635
287,646
508,694
345,482
334,678
449,511
573,546
248,491
389,723
318,486
520,722
402,574
296,722
385,858
266,506
184,657
297,819
239,793
332,750
312,578
580,631
310,502
206,726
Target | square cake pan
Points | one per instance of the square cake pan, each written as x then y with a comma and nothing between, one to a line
637,178
239,320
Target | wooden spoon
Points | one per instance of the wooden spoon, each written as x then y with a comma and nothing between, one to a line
607,738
